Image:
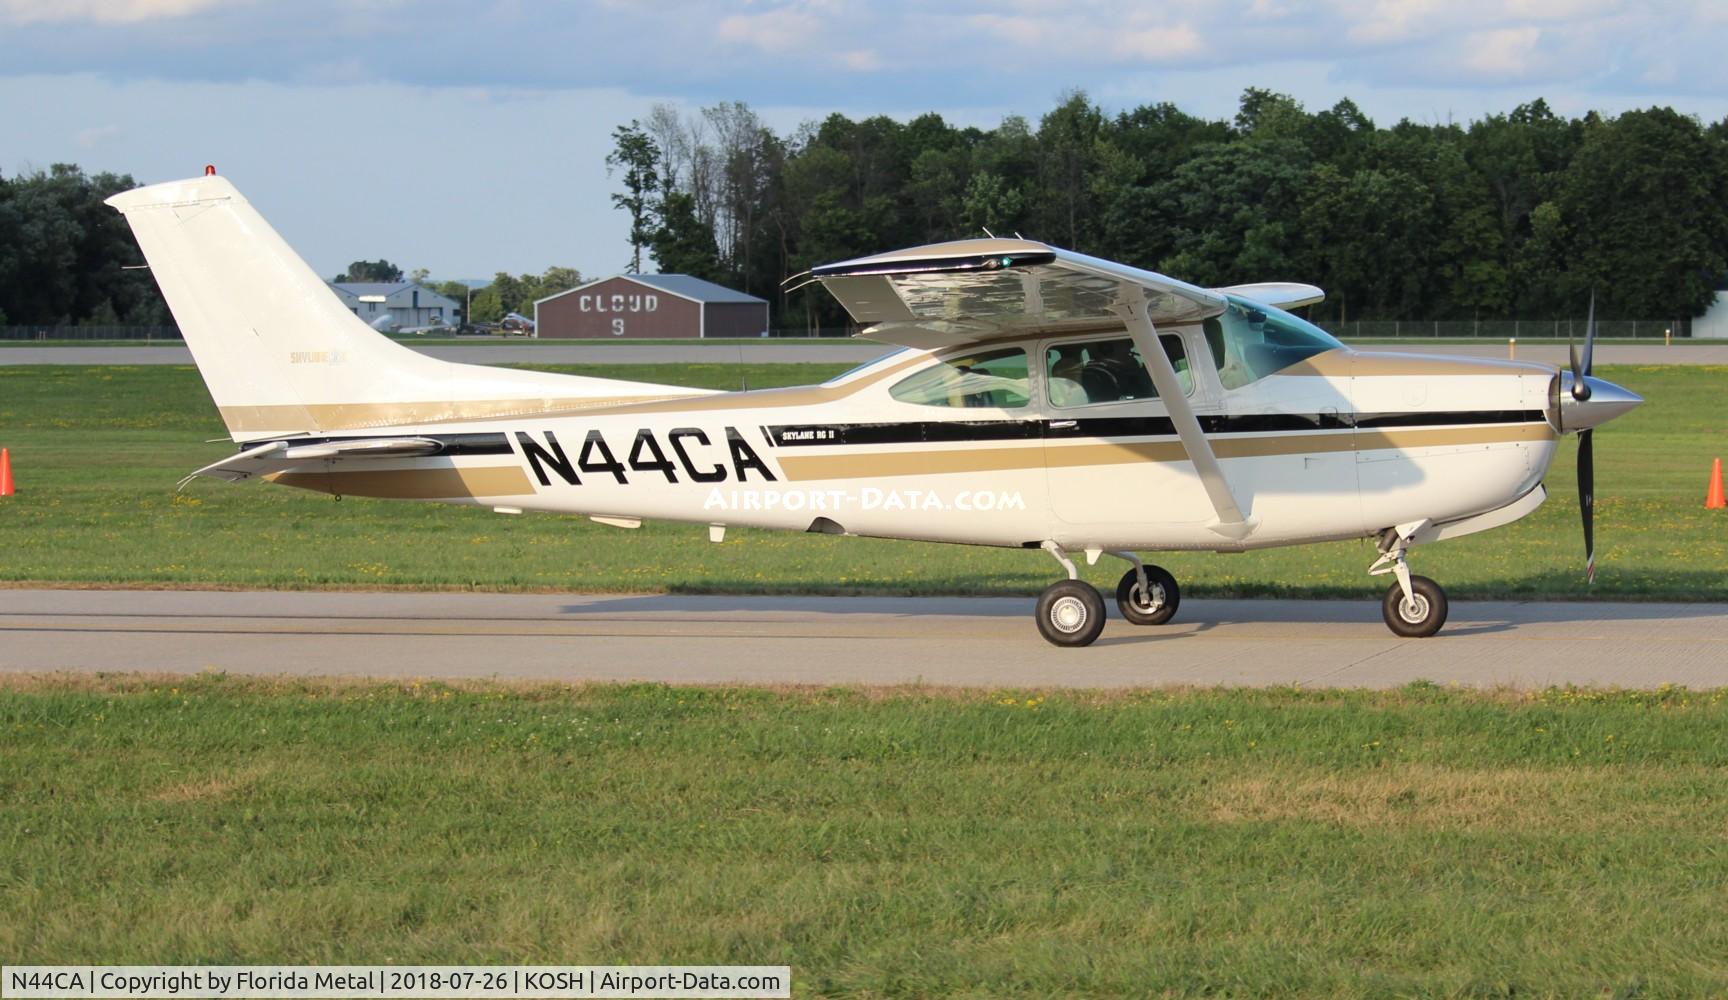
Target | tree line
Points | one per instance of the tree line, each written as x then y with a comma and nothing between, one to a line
67,259
1515,215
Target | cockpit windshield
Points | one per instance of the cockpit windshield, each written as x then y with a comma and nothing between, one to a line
1250,341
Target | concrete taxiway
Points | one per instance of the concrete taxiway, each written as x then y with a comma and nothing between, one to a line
839,640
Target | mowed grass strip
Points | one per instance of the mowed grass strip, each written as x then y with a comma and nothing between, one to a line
97,450
890,842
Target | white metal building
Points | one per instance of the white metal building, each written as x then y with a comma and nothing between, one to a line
1713,325
396,305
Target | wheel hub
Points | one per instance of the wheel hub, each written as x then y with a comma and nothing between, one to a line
1415,610
1068,614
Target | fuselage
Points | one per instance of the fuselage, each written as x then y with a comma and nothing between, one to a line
1015,449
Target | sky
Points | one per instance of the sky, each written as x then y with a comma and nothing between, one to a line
470,137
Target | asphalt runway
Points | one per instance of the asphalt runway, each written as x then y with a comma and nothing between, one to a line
837,351
967,642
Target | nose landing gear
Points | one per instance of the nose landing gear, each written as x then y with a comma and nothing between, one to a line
1147,595
1415,607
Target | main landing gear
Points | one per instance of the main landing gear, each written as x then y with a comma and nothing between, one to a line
1071,612
1415,606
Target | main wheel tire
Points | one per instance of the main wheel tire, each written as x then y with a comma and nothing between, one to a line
1421,620
1137,608
1071,613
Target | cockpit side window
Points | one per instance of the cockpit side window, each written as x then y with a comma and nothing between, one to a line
1083,373
1251,341
987,378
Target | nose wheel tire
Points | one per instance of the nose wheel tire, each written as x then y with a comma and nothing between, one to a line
1070,613
1141,609
1419,617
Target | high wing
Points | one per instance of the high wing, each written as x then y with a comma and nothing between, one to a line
948,294
277,456
968,290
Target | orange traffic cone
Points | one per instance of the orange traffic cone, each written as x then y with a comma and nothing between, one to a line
5,472
1713,498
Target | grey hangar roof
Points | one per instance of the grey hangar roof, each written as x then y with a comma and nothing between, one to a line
681,285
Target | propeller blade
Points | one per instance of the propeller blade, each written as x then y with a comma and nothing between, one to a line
1581,366
1590,334
1587,500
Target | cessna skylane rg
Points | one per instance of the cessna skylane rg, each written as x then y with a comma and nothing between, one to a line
1040,399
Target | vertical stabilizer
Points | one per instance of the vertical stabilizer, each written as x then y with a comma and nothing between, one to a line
281,354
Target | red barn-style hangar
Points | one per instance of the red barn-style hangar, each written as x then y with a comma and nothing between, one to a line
650,305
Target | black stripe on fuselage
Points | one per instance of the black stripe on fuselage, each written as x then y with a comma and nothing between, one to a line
940,431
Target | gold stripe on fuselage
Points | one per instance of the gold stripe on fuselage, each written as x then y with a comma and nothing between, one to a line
413,484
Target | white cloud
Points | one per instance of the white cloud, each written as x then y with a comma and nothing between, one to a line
956,54
1559,10
1130,37
1508,53
1156,44
1020,30
779,31
101,11
861,60
1391,20
90,138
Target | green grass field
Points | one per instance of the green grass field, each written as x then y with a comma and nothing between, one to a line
893,842
97,450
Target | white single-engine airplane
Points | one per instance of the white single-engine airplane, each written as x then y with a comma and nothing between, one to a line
1041,399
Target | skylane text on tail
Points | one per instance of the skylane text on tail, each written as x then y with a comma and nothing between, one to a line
1039,399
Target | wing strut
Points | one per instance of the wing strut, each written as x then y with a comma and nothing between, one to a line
1131,306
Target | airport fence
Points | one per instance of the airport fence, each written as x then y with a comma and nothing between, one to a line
44,332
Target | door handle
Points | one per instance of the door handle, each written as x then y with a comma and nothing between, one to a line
1062,425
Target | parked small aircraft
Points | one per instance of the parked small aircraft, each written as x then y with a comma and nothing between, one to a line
1041,399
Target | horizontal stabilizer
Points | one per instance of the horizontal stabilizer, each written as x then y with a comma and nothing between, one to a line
278,456
370,447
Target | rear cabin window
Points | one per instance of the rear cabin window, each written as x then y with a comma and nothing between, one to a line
986,379
1083,373
1251,341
